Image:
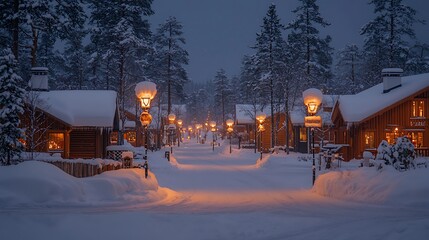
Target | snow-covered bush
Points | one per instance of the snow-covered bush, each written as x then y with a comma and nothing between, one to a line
384,152
403,153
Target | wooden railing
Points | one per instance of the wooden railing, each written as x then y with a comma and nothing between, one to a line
423,152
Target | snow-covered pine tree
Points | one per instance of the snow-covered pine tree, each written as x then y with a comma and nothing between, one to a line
386,37
11,106
128,32
314,53
403,153
348,70
384,152
418,60
268,59
222,96
170,59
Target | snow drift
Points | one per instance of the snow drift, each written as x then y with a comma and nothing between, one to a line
35,183
368,185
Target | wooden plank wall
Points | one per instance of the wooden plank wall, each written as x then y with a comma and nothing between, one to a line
83,143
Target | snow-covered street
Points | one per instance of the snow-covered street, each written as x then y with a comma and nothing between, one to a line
218,195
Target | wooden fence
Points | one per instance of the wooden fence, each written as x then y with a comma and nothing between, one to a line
81,170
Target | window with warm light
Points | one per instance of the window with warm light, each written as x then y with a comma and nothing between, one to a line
416,138
303,134
417,108
130,136
56,142
114,138
369,140
390,137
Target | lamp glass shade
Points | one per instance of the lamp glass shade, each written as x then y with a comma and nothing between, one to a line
212,124
213,129
180,122
230,129
260,116
312,107
145,118
145,102
171,117
229,122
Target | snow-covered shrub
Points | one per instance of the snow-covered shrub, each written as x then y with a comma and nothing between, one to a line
403,153
384,152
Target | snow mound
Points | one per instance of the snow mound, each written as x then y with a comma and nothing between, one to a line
36,183
368,185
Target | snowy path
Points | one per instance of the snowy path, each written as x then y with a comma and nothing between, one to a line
215,195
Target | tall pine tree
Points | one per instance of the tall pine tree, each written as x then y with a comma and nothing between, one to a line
11,106
305,41
170,59
269,56
386,37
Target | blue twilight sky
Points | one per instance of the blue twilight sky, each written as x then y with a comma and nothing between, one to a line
220,32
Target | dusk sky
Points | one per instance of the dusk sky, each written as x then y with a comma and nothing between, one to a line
219,33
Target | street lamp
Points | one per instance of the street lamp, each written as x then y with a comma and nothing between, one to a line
260,117
171,128
312,99
213,129
145,92
229,123
179,122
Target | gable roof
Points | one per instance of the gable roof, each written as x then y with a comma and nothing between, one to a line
358,107
80,108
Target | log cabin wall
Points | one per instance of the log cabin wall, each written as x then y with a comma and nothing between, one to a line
280,135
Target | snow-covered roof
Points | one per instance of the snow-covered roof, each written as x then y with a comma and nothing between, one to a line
355,108
245,113
80,108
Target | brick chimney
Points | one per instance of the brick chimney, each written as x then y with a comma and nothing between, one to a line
39,79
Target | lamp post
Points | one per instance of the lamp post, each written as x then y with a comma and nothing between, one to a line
198,132
229,123
260,117
213,129
312,99
145,92
171,128
179,122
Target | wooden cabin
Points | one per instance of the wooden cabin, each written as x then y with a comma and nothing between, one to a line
245,122
399,106
74,123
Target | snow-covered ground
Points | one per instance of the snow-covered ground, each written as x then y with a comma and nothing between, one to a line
201,194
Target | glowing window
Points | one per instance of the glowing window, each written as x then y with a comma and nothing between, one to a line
56,142
417,109
113,138
130,136
416,138
303,134
390,137
369,140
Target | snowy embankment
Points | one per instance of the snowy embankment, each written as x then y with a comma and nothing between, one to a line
39,184
367,185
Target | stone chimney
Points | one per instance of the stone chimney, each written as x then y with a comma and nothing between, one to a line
39,79
391,78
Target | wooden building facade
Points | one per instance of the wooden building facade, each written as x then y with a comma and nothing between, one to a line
363,120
